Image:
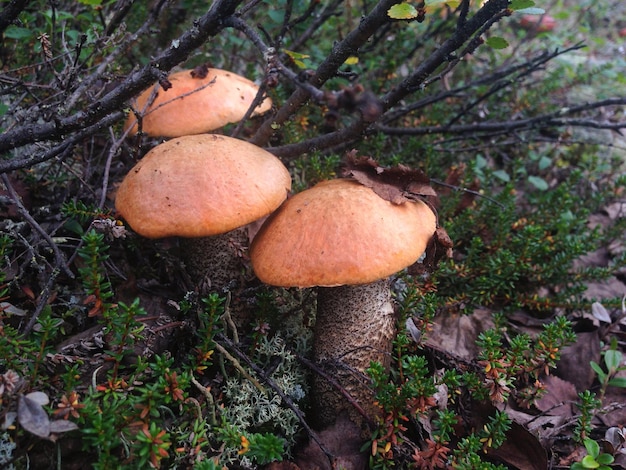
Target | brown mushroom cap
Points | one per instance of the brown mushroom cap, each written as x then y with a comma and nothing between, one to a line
220,98
339,232
201,185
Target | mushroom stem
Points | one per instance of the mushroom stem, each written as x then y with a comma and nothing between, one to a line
355,325
215,263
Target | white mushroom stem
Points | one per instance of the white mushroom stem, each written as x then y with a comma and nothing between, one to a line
355,325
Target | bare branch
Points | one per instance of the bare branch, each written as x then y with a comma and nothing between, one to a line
486,15
205,27
555,119
328,68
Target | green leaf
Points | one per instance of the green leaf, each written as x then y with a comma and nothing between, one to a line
598,370
605,459
502,175
593,449
297,58
521,4
589,462
402,11
538,182
451,3
276,15
15,32
618,382
497,43
612,359
93,3
544,162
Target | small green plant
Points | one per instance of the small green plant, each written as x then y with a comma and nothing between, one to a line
467,456
588,404
594,458
264,448
613,360
94,253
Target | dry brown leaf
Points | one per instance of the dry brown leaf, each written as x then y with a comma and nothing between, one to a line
32,417
456,334
343,440
574,363
398,184
521,449
559,396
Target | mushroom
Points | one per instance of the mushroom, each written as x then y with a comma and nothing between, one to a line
194,102
344,238
202,188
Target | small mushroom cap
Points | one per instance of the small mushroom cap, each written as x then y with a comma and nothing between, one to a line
339,232
201,185
195,105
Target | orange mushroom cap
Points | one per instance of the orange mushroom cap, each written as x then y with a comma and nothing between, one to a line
195,105
339,232
201,185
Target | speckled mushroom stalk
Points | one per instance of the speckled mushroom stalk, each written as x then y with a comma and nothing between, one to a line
362,323
203,188
347,240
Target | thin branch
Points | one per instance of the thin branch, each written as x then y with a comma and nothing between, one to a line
272,59
208,25
413,82
493,77
426,68
327,69
58,256
42,301
68,144
555,119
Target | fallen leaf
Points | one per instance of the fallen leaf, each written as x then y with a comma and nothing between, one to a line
32,417
456,334
574,363
397,184
521,449
599,312
343,440
559,396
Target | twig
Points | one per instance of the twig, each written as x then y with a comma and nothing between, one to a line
322,373
42,301
66,146
553,119
206,26
228,319
315,93
238,366
327,69
466,190
209,398
58,256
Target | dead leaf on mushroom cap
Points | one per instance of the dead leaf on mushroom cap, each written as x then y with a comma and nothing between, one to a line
397,184
438,248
